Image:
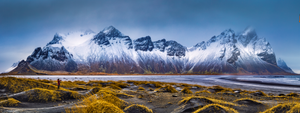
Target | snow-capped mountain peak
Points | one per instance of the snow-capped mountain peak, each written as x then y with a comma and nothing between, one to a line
228,36
111,35
247,36
143,44
281,63
200,45
111,32
249,30
87,32
160,45
110,51
228,33
56,39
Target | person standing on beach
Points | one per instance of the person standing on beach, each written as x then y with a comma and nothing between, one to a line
58,83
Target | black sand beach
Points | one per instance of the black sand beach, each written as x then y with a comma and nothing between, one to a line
226,81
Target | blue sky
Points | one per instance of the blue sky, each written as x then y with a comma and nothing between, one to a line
25,25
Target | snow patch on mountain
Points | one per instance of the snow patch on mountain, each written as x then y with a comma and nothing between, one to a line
71,39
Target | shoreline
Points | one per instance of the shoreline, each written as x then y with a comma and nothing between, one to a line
262,83
229,81
267,87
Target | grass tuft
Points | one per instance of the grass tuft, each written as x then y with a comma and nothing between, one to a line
137,108
141,88
9,102
186,90
103,107
140,96
79,82
167,88
46,95
15,85
115,87
92,105
220,89
199,86
215,108
203,91
111,96
292,94
43,95
280,108
124,95
150,89
206,100
248,101
295,109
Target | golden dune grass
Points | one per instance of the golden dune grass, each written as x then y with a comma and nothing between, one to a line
186,90
110,91
141,108
16,85
206,100
213,108
9,102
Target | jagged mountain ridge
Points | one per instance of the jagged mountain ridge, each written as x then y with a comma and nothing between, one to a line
281,63
110,51
22,68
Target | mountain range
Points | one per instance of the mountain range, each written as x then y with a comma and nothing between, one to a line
110,51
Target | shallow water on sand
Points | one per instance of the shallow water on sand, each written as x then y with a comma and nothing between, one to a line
191,79
281,79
